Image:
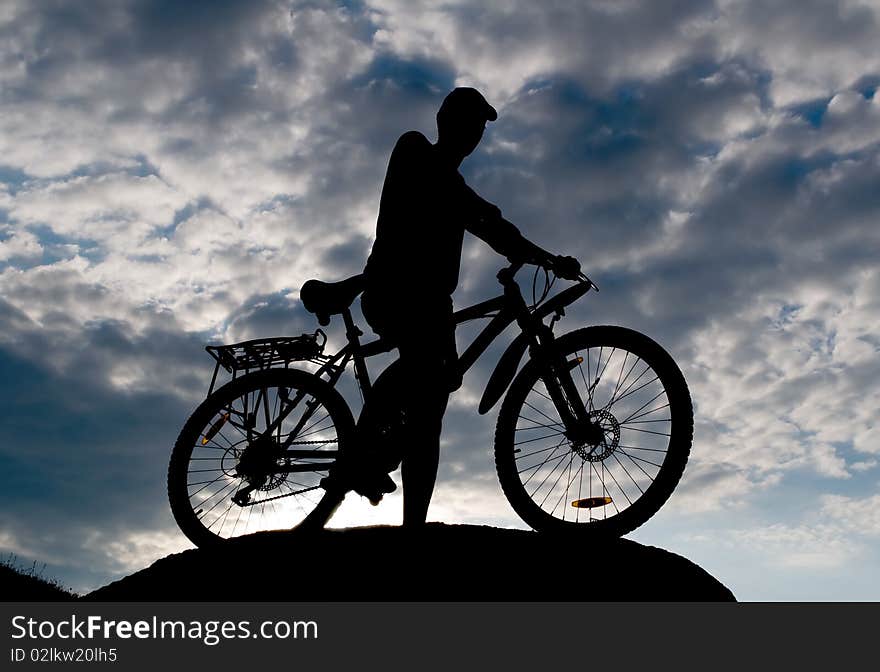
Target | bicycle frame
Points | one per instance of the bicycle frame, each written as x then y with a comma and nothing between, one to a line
504,310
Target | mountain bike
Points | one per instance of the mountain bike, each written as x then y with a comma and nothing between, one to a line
592,436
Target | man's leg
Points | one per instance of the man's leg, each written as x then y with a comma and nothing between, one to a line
425,378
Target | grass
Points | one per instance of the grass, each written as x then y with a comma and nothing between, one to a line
26,583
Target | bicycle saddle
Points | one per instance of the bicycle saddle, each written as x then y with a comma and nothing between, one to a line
330,298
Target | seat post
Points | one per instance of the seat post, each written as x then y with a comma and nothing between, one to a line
353,334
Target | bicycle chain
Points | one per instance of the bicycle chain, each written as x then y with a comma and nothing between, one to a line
302,443
289,494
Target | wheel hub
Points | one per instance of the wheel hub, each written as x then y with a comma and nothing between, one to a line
258,463
596,451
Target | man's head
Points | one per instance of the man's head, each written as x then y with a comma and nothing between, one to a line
461,121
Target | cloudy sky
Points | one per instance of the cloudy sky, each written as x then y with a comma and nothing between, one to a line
172,172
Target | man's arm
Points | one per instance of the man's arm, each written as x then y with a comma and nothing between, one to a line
506,239
501,235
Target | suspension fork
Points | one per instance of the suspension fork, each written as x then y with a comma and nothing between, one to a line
556,374
554,370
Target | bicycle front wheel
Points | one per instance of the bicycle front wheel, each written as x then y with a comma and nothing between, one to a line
252,455
608,486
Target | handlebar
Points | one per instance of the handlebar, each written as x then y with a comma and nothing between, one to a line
507,273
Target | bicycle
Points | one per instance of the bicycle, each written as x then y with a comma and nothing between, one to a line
592,436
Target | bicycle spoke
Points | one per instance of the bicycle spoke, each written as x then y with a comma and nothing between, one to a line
640,387
203,487
611,473
620,376
602,375
558,478
263,400
567,486
626,391
653,450
552,471
225,487
537,438
538,392
564,494
640,459
314,431
587,384
538,466
537,424
577,514
605,490
207,482
219,501
238,515
539,411
642,415
626,471
223,520
543,450
305,430
639,410
216,445
645,431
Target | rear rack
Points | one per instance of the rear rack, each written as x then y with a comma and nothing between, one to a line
264,353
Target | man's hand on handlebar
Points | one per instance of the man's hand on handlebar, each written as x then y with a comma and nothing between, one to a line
567,268
526,252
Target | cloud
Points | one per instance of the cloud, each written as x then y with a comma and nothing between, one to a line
802,547
858,515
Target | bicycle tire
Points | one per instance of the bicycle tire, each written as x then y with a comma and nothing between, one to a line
313,507
512,463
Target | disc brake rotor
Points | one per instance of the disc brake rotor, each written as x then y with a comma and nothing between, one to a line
610,437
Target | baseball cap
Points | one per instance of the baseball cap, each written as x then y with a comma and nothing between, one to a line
465,101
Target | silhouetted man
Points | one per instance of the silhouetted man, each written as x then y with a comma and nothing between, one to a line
413,270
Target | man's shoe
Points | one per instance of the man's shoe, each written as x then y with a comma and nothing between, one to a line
376,487
372,486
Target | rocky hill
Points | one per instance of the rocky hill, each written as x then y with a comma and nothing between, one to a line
442,562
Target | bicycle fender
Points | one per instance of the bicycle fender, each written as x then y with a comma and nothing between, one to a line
504,372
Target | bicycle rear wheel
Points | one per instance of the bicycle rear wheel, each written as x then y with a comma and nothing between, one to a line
633,389
228,476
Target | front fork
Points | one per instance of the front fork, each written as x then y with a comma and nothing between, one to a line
556,375
555,370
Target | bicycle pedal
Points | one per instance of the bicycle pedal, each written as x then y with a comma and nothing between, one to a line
591,502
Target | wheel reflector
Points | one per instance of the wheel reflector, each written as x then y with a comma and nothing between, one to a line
215,428
591,502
